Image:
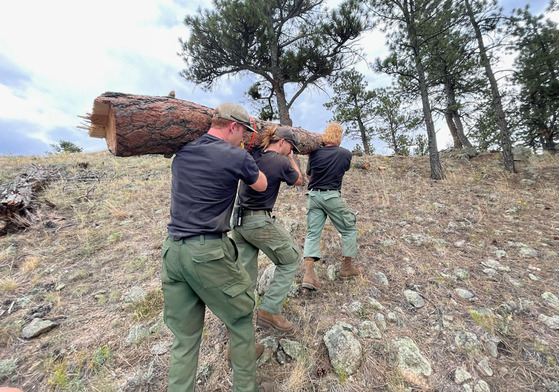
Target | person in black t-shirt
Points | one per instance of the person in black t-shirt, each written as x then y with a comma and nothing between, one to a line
200,266
261,231
325,170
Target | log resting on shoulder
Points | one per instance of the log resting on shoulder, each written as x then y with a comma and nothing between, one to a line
141,124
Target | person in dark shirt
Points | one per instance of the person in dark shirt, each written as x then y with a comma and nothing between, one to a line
260,230
200,266
325,170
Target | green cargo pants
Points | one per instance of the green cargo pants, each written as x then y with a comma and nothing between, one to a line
199,273
265,233
322,204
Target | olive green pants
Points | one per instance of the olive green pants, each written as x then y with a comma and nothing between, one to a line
323,204
265,233
199,273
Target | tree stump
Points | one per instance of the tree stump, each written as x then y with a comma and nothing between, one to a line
140,124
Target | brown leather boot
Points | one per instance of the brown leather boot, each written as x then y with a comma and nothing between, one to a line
276,321
310,281
258,348
348,271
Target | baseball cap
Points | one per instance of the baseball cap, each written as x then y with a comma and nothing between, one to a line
288,134
234,112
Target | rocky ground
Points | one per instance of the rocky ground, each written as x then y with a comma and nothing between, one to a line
459,292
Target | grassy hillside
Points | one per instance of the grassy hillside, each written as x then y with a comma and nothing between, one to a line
480,248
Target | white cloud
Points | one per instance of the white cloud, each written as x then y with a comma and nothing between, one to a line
58,56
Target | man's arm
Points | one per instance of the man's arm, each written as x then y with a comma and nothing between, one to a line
261,183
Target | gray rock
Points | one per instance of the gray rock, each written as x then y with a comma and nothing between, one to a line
414,299
528,252
137,334
499,253
461,375
410,359
271,346
551,300
368,329
293,349
550,322
482,386
135,294
392,318
344,350
462,274
485,367
264,280
37,327
463,293
7,367
160,348
331,272
355,307
494,264
380,278
527,181
375,304
381,321
467,340
491,343
281,357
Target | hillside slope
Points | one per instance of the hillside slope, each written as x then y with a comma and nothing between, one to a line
466,268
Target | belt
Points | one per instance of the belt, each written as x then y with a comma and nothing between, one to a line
210,236
256,212
323,190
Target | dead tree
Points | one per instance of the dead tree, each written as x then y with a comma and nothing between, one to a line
140,124
16,200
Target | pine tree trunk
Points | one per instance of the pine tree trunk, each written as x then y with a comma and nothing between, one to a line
140,124
506,143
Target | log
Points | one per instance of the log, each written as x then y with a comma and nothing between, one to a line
141,124
16,200
364,166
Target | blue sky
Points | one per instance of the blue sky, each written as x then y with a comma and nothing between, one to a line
57,56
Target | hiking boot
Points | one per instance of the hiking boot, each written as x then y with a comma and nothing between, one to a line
259,349
349,271
276,321
310,281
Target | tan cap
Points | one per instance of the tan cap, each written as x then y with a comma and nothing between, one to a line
232,111
288,134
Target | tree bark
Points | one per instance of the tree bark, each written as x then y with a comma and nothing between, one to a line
141,124
506,143
16,200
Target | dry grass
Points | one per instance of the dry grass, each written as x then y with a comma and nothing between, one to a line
103,237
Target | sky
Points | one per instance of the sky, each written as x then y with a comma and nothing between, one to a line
57,56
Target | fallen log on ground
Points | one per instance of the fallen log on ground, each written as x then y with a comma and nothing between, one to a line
364,166
141,124
16,200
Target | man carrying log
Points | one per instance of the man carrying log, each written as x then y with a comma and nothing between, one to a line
199,260
326,169
257,229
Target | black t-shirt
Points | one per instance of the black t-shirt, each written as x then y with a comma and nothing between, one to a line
205,177
277,168
327,167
